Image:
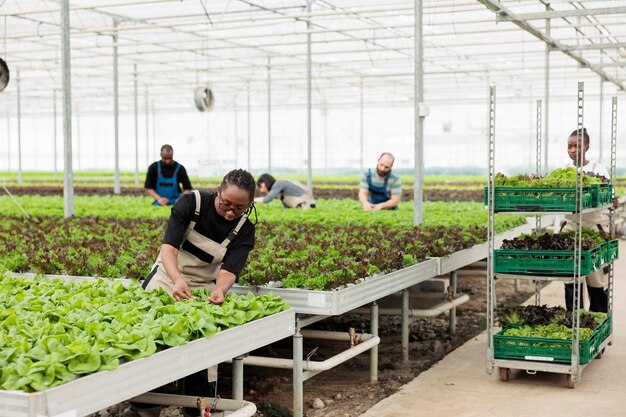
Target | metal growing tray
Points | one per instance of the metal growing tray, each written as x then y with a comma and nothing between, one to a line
94,392
336,302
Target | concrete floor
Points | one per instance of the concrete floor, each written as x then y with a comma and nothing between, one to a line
459,386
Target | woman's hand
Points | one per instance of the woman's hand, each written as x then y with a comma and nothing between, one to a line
217,297
181,291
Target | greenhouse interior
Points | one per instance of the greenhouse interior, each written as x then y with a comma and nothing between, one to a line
415,208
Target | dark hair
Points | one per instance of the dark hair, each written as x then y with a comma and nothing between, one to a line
576,132
167,148
266,179
240,178
393,159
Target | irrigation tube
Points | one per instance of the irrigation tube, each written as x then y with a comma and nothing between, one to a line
237,408
315,367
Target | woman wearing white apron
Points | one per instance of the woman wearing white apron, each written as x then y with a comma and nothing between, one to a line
598,220
206,245
293,194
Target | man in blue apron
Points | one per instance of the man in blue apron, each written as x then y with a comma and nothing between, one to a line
165,177
380,189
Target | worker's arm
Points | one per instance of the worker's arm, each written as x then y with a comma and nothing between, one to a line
169,257
364,199
392,202
161,200
225,280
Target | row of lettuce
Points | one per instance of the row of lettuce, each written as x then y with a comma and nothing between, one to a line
53,331
328,247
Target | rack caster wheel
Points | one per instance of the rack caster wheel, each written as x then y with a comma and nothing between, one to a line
505,373
570,381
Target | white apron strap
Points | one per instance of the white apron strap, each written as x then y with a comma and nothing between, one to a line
235,231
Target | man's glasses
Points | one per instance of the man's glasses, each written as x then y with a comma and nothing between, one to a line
227,206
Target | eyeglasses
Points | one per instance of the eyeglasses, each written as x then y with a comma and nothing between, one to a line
228,206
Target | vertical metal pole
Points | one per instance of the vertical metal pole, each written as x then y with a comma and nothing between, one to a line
269,114
418,186
19,129
8,139
309,171
147,111
116,187
54,93
452,316
538,171
236,135
136,126
491,146
361,130
546,122
238,378
600,136
77,140
68,179
325,140
613,183
154,131
248,124
578,236
405,325
298,376
374,349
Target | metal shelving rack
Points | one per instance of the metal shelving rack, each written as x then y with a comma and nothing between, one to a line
574,368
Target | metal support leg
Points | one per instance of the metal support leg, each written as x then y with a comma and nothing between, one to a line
238,378
374,349
518,285
452,317
405,325
298,377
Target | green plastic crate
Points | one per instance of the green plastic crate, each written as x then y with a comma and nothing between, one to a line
540,199
612,250
548,262
602,194
540,349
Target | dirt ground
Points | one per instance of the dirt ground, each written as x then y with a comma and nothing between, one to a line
345,391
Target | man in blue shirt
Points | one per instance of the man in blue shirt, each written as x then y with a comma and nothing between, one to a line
164,179
380,189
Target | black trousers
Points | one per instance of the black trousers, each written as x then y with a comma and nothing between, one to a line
598,298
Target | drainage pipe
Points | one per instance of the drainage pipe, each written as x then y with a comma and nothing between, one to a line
238,408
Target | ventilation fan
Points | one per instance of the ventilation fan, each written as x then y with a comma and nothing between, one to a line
204,99
4,75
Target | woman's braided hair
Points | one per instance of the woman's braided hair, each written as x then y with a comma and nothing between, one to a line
242,179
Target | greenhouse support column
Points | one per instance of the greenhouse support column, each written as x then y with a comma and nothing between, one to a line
237,378
325,140
248,124
147,111
154,132
68,181
405,325
374,349
136,127
236,135
77,140
298,376
309,171
116,112
420,113
546,110
600,139
361,133
19,129
8,139
54,105
452,316
269,115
